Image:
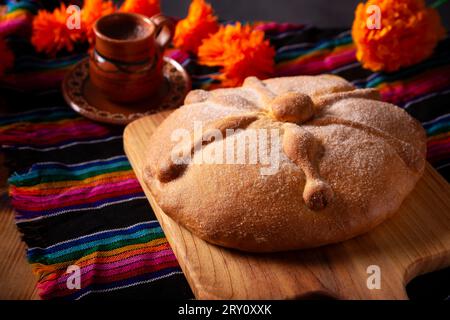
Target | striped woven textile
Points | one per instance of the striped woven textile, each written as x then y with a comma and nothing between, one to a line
78,201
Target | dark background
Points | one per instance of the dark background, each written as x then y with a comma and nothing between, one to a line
321,13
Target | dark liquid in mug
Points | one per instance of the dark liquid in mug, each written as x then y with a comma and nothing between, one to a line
123,28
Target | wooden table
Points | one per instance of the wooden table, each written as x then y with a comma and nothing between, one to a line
17,280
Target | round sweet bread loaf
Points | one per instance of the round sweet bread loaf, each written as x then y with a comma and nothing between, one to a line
285,163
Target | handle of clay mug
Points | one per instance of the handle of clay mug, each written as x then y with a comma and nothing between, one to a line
165,29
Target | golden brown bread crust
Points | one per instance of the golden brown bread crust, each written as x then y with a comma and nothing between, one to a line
347,162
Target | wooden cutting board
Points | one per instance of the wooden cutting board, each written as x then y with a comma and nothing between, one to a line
415,241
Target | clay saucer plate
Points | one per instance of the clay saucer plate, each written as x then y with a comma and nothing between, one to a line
85,99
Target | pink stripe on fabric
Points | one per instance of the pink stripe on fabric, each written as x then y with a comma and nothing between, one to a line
401,92
35,81
443,146
142,264
55,129
443,149
117,267
56,204
331,62
178,55
76,192
279,27
12,25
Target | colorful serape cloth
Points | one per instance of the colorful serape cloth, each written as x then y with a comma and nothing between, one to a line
78,201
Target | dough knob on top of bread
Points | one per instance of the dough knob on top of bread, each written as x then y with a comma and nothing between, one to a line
292,107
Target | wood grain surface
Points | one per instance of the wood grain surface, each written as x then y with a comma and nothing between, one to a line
16,278
415,241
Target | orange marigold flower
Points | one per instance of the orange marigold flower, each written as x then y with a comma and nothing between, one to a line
6,57
93,10
408,34
51,34
241,51
198,25
146,7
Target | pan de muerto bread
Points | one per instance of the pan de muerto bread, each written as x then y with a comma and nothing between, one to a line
284,163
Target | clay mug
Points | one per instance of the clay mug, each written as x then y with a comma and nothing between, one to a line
127,60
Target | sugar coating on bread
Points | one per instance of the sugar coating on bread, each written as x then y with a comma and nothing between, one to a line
345,162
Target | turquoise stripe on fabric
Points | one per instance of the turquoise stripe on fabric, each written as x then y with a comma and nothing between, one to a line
296,53
17,179
406,73
95,243
438,128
